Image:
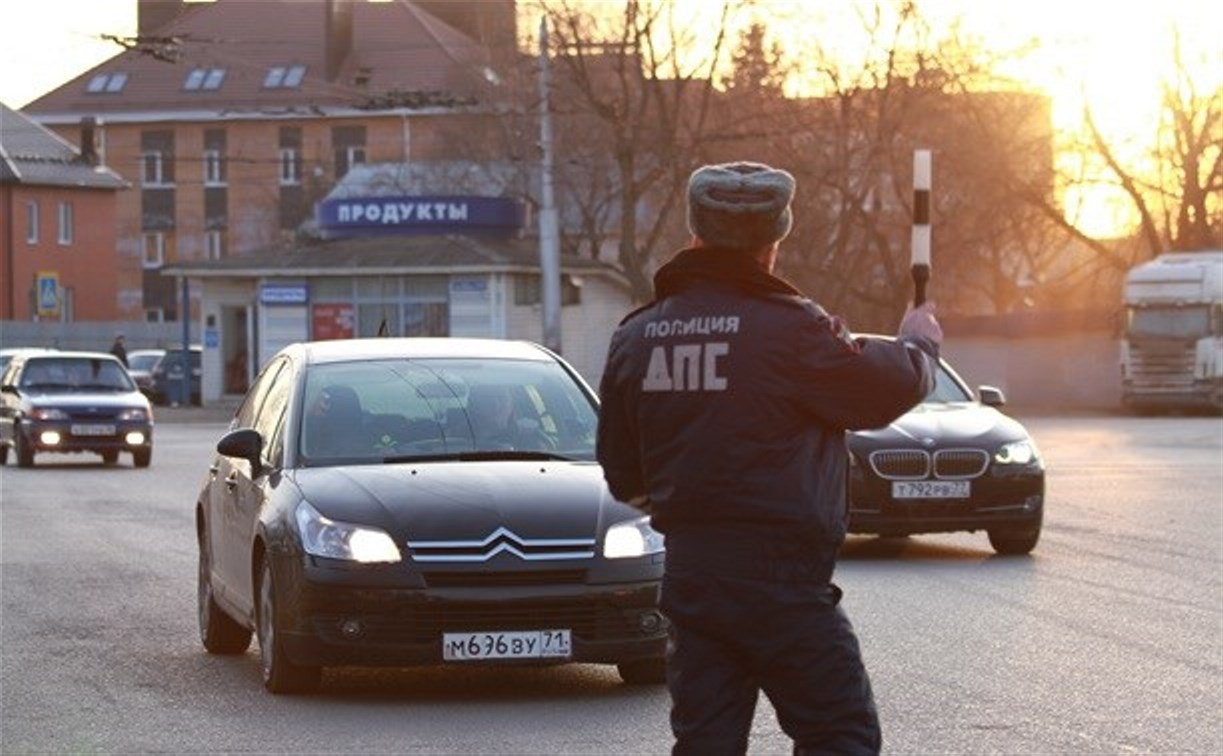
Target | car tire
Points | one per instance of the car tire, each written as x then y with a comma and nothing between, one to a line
643,671
1014,542
3,454
219,632
109,457
25,455
142,457
280,674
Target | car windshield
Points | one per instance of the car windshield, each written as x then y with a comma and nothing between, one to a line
1168,322
380,411
144,362
75,374
946,389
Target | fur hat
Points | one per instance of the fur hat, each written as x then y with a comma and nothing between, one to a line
740,205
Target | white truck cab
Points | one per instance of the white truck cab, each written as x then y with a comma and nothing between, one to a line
1172,345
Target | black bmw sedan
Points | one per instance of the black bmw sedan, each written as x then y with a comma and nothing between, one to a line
422,501
952,463
72,402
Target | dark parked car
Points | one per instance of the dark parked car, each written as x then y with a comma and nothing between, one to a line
422,501
952,463
72,402
140,366
167,377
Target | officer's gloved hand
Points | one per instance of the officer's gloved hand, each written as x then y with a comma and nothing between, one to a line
919,325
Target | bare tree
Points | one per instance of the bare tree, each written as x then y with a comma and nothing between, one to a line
631,110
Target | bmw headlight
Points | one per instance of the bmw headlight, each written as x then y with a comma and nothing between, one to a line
632,538
340,540
1016,453
135,413
48,413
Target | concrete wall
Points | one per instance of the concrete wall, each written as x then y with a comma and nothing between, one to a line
1073,371
96,336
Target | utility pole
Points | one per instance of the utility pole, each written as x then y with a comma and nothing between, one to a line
549,227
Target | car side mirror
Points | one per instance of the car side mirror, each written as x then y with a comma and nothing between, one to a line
243,443
9,388
991,397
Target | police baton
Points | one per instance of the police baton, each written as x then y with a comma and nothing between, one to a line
920,248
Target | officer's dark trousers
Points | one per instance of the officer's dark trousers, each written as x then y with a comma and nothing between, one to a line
747,621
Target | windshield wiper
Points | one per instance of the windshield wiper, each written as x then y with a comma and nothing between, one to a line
480,456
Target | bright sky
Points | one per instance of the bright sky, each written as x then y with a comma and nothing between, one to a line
1112,52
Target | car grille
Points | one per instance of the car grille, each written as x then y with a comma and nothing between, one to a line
92,415
502,540
960,463
499,578
426,623
916,464
900,464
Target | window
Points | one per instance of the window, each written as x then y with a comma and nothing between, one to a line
214,244
295,75
347,158
527,291
153,171
214,78
214,168
204,78
107,83
290,166
275,75
154,315
65,223
154,249
31,222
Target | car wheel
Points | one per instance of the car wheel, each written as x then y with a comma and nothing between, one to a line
280,675
1014,542
109,457
142,457
3,454
25,455
643,671
219,632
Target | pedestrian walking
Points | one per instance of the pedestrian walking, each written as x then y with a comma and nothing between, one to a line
118,349
725,403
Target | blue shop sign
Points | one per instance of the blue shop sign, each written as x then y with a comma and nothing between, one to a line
282,294
366,216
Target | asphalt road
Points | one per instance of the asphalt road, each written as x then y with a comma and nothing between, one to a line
1108,639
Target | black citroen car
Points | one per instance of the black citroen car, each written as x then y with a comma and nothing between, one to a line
952,463
422,501
72,402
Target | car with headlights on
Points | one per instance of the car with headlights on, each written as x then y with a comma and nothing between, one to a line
399,502
952,463
72,402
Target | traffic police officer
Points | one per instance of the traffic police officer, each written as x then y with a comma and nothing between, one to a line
725,403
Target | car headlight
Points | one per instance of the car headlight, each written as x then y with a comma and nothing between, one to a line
1016,453
339,540
48,413
133,414
632,538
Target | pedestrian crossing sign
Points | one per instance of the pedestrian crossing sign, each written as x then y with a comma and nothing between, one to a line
47,293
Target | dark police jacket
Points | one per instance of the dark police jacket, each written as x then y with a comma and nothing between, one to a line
726,400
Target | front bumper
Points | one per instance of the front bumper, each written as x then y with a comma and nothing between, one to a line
403,626
35,435
1009,500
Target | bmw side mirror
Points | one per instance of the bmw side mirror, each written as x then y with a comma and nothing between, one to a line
991,397
243,443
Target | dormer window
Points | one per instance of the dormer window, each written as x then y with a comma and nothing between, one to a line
204,78
284,77
106,83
